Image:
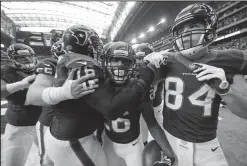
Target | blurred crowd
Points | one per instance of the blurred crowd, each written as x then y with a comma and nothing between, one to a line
231,30
234,18
235,43
239,43
224,5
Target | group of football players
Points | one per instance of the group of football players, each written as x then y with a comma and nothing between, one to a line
92,104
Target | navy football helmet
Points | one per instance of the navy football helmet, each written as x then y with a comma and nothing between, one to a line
195,13
21,56
119,60
83,40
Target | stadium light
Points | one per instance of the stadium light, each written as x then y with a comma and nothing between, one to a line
2,45
133,41
161,21
142,35
151,29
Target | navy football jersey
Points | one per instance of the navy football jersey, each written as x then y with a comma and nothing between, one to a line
126,127
46,66
191,107
74,119
17,114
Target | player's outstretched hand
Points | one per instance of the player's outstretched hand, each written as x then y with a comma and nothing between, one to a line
83,85
26,82
157,58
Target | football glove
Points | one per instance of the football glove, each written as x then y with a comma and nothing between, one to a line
165,161
214,76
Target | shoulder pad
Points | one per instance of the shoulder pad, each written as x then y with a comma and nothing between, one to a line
46,66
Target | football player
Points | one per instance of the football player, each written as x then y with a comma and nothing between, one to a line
15,81
71,138
141,51
47,67
123,133
195,83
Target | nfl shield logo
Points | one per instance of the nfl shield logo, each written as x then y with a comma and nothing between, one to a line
192,66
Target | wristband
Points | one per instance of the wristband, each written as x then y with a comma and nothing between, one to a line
223,88
54,95
224,92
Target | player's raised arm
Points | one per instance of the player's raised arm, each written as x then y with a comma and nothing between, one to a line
43,93
45,71
34,94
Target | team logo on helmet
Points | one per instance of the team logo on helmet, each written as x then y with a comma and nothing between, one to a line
80,36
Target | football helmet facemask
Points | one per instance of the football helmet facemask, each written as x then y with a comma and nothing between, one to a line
195,13
119,60
82,40
21,56
57,49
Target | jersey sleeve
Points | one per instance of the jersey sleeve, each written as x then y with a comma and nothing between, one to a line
9,76
232,61
46,66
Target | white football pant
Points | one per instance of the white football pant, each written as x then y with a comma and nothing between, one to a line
17,142
143,130
85,151
112,158
197,154
131,152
